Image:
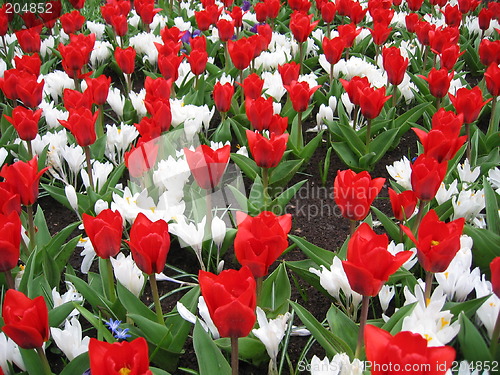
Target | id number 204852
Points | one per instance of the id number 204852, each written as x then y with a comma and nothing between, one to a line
491,366
32,7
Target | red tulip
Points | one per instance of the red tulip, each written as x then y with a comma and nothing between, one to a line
29,39
119,24
414,5
105,232
423,28
354,193
301,26
25,121
394,64
278,124
300,5
169,66
489,52
380,33
226,29
74,99
467,6
77,4
468,102
52,13
252,86
449,56
161,112
10,227
333,49
99,88
260,240
146,10
452,16
300,94
241,52
26,320
439,82
369,264
437,243
442,142
267,152
30,90
208,165
403,204
125,58
149,243
198,61
29,63
372,101
172,34
237,16
203,20
411,21
231,300
354,87
348,32
72,22
272,8
442,38
492,78
157,88
495,275
119,358
260,10
426,176
142,157
356,13
414,355
289,72
81,123
259,112
10,201
328,10
484,18
223,94
4,20
23,178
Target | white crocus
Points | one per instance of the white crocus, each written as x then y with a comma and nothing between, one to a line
116,101
52,115
71,295
101,53
273,85
74,157
400,171
339,365
385,296
96,28
458,280
494,179
428,319
9,353
69,339
100,174
468,204
190,234
468,176
218,228
127,273
55,83
171,175
444,194
271,333
70,192
87,253
3,155
324,113
394,248
488,313
129,205
205,321
118,140
334,280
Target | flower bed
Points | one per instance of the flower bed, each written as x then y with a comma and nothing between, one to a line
184,140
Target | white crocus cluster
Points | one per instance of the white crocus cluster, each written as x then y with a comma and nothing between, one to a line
334,280
118,140
458,280
487,313
429,319
339,365
127,273
400,171
394,248
69,339
9,353
205,321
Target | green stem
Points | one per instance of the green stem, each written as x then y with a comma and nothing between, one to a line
45,362
362,323
156,298
428,287
494,337
368,131
265,185
31,228
424,59
394,95
352,227
300,139
331,76
10,280
492,127
100,122
355,117
301,57
259,282
89,167
420,214
467,131
242,98
438,104
30,148
234,356
111,293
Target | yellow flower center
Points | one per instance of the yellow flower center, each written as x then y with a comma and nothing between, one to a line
125,371
434,243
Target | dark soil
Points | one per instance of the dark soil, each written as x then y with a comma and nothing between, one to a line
315,218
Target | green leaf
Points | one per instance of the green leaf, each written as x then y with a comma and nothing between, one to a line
468,308
472,344
328,341
78,365
247,165
42,236
346,329
210,359
492,217
352,138
154,332
91,295
32,362
381,143
486,247
389,225
346,155
249,349
60,313
133,304
309,149
276,292
394,324
278,205
156,371
317,254
284,172
96,322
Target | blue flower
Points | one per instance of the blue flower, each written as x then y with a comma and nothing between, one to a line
113,325
122,334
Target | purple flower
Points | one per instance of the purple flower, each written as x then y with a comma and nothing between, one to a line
246,6
185,38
